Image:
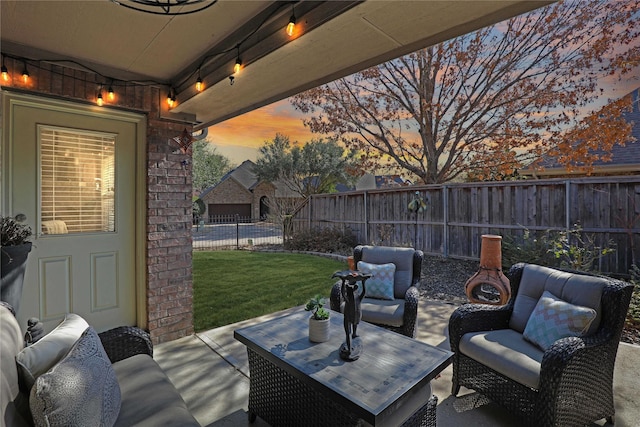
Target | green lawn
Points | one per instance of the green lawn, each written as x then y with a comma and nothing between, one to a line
230,286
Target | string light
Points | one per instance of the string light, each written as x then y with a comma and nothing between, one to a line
292,22
25,74
171,96
238,65
5,71
199,84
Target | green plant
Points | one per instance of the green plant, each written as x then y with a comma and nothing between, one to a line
316,306
531,247
573,249
578,250
14,233
633,315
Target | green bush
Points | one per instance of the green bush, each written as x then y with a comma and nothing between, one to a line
572,249
530,248
328,240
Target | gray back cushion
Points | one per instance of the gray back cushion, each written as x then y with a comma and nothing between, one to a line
576,289
401,257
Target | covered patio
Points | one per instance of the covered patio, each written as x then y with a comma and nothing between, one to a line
65,60
211,371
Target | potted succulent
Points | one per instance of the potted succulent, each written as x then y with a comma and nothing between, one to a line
15,247
319,321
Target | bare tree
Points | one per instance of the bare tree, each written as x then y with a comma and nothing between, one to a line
487,102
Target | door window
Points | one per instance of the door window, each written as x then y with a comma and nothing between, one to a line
77,181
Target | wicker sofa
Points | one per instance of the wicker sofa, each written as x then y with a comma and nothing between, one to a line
399,313
566,382
144,397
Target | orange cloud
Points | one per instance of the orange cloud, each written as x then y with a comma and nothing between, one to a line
254,128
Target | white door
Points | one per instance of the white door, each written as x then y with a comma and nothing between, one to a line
72,175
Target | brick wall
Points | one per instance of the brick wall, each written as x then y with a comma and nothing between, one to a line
169,262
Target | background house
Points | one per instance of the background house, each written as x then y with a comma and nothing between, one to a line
625,160
239,193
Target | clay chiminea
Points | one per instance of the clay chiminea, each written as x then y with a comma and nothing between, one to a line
489,275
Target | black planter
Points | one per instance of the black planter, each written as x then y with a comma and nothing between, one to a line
14,263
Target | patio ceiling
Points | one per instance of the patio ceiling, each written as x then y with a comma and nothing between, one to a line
334,39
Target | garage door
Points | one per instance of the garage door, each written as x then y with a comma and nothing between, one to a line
228,211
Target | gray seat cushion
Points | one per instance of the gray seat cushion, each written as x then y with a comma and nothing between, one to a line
382,312
505,351
148,396
585,291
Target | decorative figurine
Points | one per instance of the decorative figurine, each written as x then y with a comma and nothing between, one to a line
352,348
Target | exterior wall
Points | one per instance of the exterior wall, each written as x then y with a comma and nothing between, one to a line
169,287
261,190
228,191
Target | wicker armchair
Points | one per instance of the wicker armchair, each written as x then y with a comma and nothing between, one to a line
400,314
569,384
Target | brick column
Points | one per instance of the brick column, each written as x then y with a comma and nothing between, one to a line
169,247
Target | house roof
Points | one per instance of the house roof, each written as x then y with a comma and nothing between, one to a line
624,159
243,175
125,44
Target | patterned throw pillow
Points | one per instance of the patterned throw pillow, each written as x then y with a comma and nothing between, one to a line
38,358
380,285
81,390
553,318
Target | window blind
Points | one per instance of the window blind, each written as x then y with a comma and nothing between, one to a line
77,181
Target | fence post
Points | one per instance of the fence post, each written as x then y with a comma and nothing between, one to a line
567,204
366,217
445,221
237,231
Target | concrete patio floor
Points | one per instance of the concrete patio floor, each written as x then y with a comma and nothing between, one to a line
210,369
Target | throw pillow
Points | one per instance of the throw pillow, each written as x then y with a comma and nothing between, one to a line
81,390
380,285
38,358
553,318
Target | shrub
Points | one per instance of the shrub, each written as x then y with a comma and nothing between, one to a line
328,240
572,249
530,247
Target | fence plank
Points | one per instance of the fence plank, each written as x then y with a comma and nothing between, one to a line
458,214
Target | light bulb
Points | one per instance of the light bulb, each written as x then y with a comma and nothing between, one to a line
100,100
199,85
5,74
291,26
111,94
25,75
238,65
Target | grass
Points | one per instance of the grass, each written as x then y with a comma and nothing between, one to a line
230,286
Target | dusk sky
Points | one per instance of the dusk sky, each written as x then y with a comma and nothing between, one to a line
239,138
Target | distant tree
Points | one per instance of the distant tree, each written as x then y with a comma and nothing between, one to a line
313,168
490,101
208,166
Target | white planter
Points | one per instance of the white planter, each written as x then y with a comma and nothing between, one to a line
319,330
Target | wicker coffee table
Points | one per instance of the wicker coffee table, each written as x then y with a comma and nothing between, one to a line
296,382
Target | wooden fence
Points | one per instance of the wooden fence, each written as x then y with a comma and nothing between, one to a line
457,215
